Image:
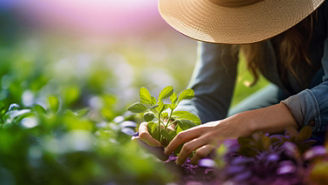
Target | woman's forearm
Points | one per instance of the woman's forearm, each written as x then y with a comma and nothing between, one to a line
273,119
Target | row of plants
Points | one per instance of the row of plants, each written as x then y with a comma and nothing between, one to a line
290,158
69,129
64,127
51,146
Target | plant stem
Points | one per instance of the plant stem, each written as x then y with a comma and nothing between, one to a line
168,121
159,127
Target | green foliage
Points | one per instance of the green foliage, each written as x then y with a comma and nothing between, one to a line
53,97
259,142
185,115
165,114
186,94
149,117
185,124
244,78
38,146
59,126
153,129
165,93
318,174
137,108
145,97
53,103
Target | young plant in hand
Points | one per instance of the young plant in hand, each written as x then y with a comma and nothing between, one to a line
164,122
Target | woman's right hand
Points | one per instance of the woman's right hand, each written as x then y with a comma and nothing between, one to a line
146,137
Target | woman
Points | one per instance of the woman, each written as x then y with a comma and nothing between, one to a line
284,40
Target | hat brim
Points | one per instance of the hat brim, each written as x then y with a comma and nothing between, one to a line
205,21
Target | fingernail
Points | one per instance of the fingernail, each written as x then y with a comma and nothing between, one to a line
165,151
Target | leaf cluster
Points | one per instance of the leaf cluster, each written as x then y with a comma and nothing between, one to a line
164,121
260,142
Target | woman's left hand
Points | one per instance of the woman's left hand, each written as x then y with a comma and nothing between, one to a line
204,138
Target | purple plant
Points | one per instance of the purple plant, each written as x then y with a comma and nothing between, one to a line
264,159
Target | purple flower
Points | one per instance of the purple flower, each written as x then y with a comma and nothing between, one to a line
241,160
243,176
286,167
273,158
206,163
291,150
316,151
129,124
128,131
235,169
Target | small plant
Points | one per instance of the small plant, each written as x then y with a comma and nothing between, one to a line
164,121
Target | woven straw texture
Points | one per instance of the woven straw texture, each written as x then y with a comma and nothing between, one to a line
206,21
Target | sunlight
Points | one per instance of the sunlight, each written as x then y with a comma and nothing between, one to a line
100,16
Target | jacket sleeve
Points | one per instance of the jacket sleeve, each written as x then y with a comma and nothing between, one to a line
311,105
213,81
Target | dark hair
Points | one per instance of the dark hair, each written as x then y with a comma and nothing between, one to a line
293,47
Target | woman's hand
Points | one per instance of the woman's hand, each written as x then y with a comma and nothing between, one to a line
203,138
146,141
146,137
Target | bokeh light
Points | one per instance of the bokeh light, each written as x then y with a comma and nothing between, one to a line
105,17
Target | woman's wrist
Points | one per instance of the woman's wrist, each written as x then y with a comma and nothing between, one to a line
241,123
273,119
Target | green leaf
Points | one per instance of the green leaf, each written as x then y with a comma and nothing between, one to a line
173,106
53,103
71,94
245,141
82,112
153,107
149,116
185,115
167,136
186,94
137,108
153,100
178,129
145,97
161,107
165,93
304,134
165,115
39,109
185,124
174,98
222,150
153,130
266,142
318,173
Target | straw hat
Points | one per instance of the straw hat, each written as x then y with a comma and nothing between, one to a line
235,21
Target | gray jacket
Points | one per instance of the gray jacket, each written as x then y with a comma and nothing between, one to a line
215,74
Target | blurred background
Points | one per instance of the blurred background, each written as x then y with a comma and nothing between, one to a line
68,70
92,48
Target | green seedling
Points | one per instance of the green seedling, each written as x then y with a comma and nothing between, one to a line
164,121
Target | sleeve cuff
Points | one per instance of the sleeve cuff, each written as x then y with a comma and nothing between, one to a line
305,109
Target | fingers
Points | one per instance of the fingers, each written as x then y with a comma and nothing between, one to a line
146,137
202,152
182,137
189,147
